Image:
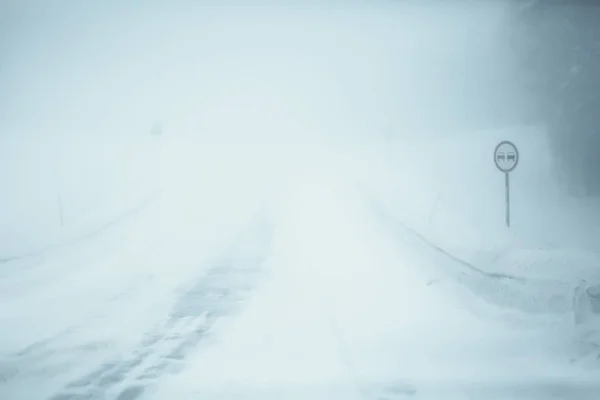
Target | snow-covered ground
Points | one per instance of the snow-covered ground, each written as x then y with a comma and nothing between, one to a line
283,239
449,191
350,309
76,307
58,187
295,284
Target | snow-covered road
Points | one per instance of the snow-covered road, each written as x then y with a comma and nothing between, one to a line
286,200
349,311
309,292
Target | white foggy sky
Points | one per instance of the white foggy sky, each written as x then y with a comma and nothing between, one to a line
82,83
115,67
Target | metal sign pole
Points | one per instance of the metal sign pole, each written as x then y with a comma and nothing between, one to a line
507,184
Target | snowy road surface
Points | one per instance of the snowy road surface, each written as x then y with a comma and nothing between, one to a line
288,200
315,297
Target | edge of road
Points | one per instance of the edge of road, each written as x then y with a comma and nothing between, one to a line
94,233
522,302
528,295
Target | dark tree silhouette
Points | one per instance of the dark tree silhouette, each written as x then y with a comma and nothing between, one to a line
558,46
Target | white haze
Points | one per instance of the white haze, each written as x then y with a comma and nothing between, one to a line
82,84
338,122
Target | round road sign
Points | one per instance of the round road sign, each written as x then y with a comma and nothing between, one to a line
506,156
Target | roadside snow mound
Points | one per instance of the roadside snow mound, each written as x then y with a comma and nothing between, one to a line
448,192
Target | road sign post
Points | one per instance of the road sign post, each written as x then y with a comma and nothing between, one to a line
506,158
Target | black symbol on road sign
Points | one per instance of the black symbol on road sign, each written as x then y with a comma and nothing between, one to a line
506,156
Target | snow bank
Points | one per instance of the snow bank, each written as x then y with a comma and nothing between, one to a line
448,190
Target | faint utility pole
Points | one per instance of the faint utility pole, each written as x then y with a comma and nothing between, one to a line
60,212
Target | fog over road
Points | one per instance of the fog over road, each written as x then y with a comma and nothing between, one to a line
271,201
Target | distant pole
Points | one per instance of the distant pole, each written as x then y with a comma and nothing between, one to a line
507,184
60,212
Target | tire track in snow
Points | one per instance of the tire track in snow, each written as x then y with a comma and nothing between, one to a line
218,293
